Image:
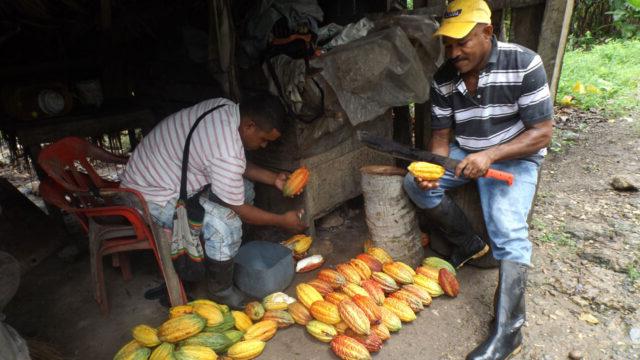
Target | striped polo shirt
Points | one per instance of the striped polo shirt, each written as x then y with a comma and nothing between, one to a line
512,95
216,155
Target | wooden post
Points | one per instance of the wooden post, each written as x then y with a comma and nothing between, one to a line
525,25
555,29
390,215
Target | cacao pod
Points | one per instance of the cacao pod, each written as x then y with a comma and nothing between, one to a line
282,317
371,342
127,350
430,285
309,263
254,310
234,336
277,301
323,287
349,273
298,243
163,352
195,352
262,330
341,327
425,170
296,182
397,273
380,254
399,308
321,331
375,291
242,320
387,284
180,328
336,297
382,331
448,283
352,289
299,313
332,277
428,271
405,267
361,267
438,263
180,310
246,350
223,308
325,312
408,298
373,263
307,295
390,319
228,322
209,312
370,309
354,317
219,342
146,335
420,292
348,348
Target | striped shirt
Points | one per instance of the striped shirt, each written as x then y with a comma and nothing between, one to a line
512,95
216,155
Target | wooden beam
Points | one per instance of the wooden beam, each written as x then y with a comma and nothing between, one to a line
501,4
526,25
553,39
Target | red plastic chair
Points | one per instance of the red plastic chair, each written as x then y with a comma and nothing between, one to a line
113,228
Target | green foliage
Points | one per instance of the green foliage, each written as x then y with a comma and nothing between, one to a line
626,17
558,238
633,273
595,21
610,72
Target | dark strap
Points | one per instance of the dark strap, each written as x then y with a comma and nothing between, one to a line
185,154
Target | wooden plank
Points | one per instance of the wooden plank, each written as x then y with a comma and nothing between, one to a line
526,25
555,30
513,4
423,124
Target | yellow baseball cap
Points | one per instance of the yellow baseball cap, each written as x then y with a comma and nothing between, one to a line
461,16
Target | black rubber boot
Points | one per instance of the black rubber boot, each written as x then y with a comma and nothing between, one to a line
505,339
220,283
458,231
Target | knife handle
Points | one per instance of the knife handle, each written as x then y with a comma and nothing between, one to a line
500,175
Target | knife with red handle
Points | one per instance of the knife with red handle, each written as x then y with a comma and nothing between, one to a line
401,151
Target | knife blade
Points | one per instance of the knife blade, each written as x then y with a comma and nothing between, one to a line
401,151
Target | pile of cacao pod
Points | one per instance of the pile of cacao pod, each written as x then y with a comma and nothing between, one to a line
356,306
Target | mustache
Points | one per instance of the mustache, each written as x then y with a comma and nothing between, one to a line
457,59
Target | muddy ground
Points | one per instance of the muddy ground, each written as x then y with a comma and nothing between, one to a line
583,295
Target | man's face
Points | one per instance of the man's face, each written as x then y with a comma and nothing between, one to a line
254,138
469,53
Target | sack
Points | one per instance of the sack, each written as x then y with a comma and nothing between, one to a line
187,252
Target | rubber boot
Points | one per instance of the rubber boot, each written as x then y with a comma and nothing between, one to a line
220,284
458,231
505,339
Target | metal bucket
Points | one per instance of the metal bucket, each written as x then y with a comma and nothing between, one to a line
262,268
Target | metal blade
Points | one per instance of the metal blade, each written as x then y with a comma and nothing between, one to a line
401,151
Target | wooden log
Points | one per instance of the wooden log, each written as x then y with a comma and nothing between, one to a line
390,215
553,39
525,26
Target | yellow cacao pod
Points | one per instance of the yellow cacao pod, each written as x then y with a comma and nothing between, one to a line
438,263
399,308
296,182
246,350
180,328
405,267
361,267
390,319
323,287
222,307
398,273
254,310
408,298
420,292
349,273
428,271
299,313
128,350
180,310
336,297
146,335
386,282
354,317
380,254
321,331
307,295
382,331
348,348
242,320
263,330
341,327
368,307
425,171
325,312
276,301
332,277
195,352
281,317
375,291
352,289
209,312
163,352
298,243
429,284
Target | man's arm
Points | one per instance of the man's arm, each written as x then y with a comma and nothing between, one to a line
291,220
256,173
529,142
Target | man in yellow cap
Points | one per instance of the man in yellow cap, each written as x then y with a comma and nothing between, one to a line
494,98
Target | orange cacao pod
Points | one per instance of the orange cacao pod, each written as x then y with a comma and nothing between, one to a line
332,277
382,331
390,319
420,292
370,309
354,317
348,348
387,284
401,309
408,298
281,317
398,273
371,342
405,267
336,297
428,271
262,330
449,283
325,312
341,327
373,263
299,313
380,254
296,182
323,287
361,267
349,273
374,290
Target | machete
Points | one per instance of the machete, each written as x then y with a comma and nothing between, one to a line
401,151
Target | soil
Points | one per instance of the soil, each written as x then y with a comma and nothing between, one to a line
583,296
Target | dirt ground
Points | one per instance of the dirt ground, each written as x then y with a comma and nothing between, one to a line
583,294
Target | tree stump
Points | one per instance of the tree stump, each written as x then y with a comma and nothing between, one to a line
390,214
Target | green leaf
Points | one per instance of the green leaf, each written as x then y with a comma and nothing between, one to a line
634,3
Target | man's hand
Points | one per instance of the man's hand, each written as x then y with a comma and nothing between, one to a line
292,221
281,179
474,165
427,184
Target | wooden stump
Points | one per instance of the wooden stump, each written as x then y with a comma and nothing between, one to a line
390,215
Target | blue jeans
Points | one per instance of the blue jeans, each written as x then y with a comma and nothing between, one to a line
221,226
505,208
